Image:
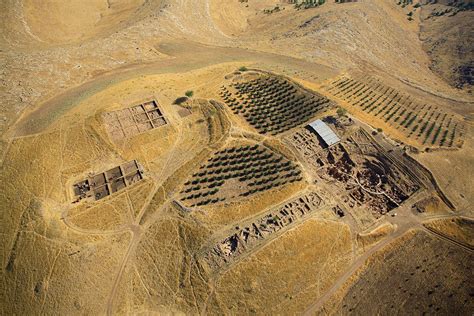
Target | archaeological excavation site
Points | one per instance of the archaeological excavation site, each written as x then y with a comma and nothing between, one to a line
237,157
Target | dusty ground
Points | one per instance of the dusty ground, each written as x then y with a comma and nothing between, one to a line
442,26
432,277
144,249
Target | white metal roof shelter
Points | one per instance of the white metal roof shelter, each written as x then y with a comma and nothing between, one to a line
326,133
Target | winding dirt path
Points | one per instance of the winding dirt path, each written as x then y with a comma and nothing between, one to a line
356,265
405,222
184,56
447,238
136,234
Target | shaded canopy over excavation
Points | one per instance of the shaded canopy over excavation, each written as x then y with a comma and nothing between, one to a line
226,157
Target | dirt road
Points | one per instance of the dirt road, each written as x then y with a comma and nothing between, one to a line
184,57
404,221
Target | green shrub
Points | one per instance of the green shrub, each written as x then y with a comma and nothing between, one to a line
189,93
341,112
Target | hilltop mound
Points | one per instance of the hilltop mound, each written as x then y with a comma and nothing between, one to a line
233,156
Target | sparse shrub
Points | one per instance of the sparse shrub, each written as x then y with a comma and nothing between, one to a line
180,100
189,93
341,112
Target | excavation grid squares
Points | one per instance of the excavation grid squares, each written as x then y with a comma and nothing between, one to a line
123,124
99,186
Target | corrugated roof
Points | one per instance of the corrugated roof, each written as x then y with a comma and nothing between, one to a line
326,133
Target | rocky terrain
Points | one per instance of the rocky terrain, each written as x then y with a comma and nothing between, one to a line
445,31
236,157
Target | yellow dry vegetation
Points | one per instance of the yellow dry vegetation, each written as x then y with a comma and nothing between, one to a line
219,215
139,250
418,273
62,266
457,183
287,274
65,18
366,239
65,63
85,244
113,213
460,229
138,196
164,275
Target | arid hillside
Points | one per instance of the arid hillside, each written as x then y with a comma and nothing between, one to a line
447,32
222,157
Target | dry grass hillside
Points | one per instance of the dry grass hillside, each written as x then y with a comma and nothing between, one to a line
235,157
24,22
446,30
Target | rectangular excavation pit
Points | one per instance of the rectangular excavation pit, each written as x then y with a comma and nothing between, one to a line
98,180
144,126
117,184
113,173
101,192
123,124
159,122
137,110
127,121
150,105
134,177
140,118
100,185
154,114
251,235
81,188
130,167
